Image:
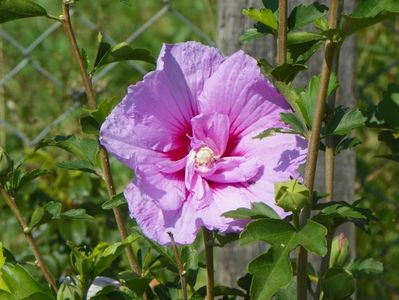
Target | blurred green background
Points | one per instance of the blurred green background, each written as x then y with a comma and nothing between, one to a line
30,102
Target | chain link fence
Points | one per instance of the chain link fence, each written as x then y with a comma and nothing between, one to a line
28,62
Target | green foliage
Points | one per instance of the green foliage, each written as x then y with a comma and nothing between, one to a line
337,283
302,15
116,201
342,121
264,16
18,9
16,283
291,195
273,270
120,52
366,266
258,210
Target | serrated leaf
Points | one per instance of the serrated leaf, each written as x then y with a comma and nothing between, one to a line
342,122
19,9
76,214
251,34
123,52
367,266
104,109
264,15
83,147
345,144
78,165
308,97
388,108
302,15
116,201
270,272
337,283
44,214
292,120
103,48
371,8
287,72
257,210
89,125
22,284
30,176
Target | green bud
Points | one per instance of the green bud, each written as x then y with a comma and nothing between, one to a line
339,251
5,164
291,195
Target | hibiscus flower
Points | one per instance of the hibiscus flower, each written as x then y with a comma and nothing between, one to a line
188,132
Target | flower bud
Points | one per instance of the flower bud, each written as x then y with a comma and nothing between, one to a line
339,251
291,195
5,164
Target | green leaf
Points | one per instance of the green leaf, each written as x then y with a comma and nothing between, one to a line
272,131
46,213
69,292
104,109
342,122
251,34
122,52
367,266
345,144
350,25
83,147
270,272
337,283
30,176
2,258
371,8
287,72
293,98
258,210
89,125
288,292
388,108
292,120
76,214
22,285
283,234
337,213
19,9
302,15
291,195
264,15
300,37
271,4
106,256
78,165
103,49
390,139
116,201
219,290
308,97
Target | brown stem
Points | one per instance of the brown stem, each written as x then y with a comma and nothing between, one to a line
182,271
210,281
87,84
282,33
314,142
29,238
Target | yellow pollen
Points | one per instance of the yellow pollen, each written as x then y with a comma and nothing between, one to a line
204,157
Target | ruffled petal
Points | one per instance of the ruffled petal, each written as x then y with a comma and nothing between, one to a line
195,61
211,130
234,169
156,223
167,189
239,90
281,155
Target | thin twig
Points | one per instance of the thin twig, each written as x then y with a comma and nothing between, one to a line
29,238
182,271
314,142
87,84
210,281
282,33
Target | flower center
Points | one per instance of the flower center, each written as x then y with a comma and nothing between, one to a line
204,158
